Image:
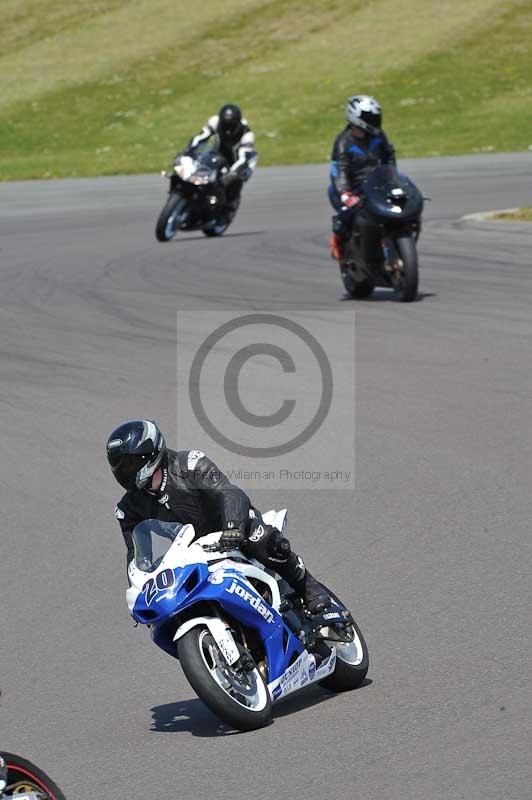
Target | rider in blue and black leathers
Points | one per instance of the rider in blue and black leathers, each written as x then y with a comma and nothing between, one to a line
357,150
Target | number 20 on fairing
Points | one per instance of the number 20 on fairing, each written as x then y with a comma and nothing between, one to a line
164,580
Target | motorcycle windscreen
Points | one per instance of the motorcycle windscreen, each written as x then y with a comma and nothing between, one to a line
381,200
152,539
212,161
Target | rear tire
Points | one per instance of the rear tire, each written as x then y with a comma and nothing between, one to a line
219,230
165,229
406,285
358,290
219,686
362,289
352,663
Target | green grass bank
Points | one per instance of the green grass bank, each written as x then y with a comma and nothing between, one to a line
117,86
521,215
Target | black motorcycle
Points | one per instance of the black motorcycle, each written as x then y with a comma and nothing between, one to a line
197,197
382,250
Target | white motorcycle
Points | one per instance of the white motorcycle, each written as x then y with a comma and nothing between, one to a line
243,637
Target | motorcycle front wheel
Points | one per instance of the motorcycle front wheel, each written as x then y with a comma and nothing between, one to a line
24,778
166,226
405,277
238,697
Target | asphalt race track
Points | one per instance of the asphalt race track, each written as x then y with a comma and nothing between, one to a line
433,552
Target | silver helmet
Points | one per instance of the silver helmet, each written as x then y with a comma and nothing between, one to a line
364,112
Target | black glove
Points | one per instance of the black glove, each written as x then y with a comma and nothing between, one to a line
231,538
229,178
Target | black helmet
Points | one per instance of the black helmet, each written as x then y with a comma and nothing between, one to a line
135,450
229,123
364,112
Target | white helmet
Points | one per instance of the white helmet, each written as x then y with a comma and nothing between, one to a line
364,112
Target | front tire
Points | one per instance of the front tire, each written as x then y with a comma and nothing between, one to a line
406,283
237,697
24,777
166,226
352,661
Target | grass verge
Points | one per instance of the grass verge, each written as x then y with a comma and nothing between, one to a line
119,86
521,215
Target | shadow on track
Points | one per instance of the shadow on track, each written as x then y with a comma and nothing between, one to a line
386,296
195,718
311,697
188,715
186,238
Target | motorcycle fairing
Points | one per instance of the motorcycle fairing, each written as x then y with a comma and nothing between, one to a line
187,581
391,195
228,588
227,584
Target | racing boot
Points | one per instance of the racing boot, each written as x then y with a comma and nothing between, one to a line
339,238
335,243
315,595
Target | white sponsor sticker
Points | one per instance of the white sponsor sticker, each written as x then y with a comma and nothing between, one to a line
257,534
193,458
254,600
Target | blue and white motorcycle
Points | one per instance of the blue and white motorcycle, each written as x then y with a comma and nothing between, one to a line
244,639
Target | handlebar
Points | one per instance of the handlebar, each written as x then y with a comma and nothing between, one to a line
211,548
219,547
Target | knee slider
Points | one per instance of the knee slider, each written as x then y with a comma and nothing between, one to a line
266,544
279,546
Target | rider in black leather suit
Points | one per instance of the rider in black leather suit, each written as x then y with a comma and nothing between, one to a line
188,487
235,141
357,150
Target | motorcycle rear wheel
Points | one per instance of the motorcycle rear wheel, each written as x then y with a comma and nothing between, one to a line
352,661
25,777
166,227
217,230
239,698
362,289
358,290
